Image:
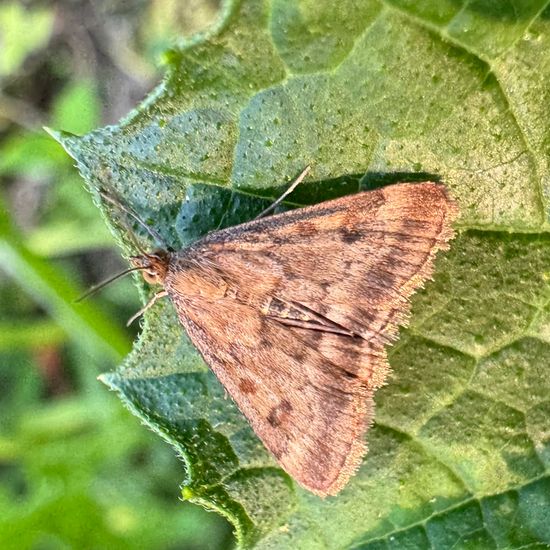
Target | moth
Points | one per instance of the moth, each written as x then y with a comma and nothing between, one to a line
293,312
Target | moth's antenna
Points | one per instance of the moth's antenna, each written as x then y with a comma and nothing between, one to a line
295,184
152,232
135,242
95,288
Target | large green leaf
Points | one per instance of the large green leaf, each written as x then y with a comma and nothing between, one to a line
368,93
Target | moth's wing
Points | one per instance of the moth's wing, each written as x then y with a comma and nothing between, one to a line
354,262
309,412
308,300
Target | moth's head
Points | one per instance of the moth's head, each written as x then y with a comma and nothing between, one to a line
154,266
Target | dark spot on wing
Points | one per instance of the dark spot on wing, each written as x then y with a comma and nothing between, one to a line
349,375
325,286
290,273
314,337
266,343
279,240
351,352
416,230
307,227
247,386
349,236
279,413
300,352
381,277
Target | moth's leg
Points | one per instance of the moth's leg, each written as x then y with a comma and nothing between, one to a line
151,302
293,186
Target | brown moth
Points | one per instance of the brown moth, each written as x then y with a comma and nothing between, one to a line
293,312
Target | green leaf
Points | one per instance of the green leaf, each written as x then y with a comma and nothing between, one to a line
368,93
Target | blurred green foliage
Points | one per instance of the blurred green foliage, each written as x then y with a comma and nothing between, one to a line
76,470
22,32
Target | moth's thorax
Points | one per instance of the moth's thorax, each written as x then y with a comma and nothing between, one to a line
191,277
154,266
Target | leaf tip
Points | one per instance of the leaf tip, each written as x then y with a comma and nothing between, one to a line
67,140
170,57
56,134
109,379
187,493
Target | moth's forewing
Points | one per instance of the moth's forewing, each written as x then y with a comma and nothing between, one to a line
292,313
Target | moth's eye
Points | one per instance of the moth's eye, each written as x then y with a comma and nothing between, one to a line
150,276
